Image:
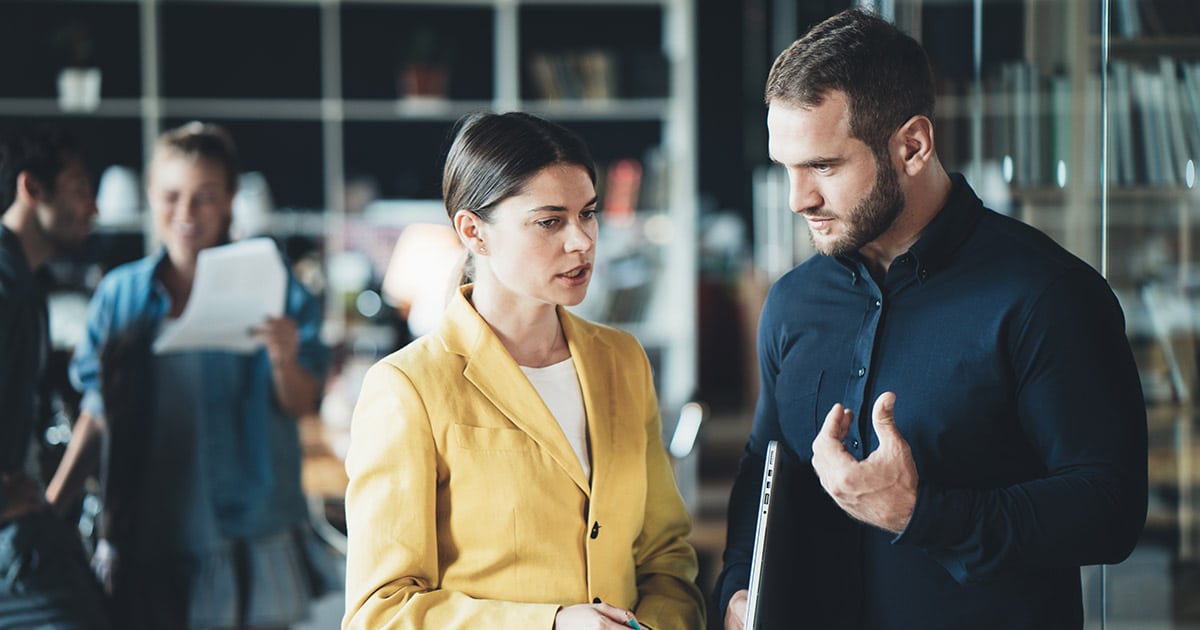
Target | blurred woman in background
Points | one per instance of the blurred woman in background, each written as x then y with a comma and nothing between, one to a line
206,516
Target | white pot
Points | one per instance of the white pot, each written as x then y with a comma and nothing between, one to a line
79,89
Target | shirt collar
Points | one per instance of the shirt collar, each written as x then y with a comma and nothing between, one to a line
948,230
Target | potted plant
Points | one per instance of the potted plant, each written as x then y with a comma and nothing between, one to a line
79,78
424,66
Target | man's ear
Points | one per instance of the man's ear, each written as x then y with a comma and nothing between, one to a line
29,188
914,143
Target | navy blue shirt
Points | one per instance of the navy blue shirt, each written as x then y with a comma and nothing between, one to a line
1018,395
24,347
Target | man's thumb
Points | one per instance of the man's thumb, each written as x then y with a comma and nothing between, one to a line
883,414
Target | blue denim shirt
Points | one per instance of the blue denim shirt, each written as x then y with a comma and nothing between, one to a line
1018,395
253,460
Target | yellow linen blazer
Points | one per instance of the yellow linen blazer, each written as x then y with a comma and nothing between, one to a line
467,507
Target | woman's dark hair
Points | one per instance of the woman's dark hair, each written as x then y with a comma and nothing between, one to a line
494,155
884,73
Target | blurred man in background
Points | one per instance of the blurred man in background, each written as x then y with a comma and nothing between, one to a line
49,207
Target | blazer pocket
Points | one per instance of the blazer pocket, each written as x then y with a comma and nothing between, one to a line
491,439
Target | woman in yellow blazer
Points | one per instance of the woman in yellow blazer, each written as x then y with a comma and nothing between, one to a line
507,470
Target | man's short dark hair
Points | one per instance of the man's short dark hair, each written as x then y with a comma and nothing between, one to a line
884,73
42,151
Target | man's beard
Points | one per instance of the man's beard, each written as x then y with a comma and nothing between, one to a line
872,216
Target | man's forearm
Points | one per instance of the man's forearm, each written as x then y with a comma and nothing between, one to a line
78,462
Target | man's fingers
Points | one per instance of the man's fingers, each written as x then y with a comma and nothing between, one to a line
883,416
735,614
829,453
837,422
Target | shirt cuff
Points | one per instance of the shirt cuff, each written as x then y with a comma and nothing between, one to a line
92,403
940,518
733,579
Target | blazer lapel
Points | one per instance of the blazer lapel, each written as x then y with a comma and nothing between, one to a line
497,376
596,365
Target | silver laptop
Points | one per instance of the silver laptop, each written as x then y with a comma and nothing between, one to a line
765,610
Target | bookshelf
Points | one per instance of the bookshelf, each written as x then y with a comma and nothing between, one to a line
328,97
1082,118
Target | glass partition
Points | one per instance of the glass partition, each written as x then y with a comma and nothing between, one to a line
1082,118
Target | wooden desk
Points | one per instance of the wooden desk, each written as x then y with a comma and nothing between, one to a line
322,473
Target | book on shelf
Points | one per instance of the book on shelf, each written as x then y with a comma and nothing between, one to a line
1122,123
578,74
1190,108
1155,18
541,73
1091,136
1129,20
1177,130
1061,115
1168,17
596,75
1030,118
1155,122
1152,133
1012,77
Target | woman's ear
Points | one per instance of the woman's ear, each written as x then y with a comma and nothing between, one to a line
915,144
469,227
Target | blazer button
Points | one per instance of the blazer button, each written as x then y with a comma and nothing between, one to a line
595,600
595,529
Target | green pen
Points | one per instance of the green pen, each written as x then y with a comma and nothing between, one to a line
634,624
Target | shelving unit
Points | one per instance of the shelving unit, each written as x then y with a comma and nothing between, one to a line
311,91
1051,117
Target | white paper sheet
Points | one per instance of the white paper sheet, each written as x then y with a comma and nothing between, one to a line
237,287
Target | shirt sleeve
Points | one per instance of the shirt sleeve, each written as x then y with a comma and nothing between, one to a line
743,499
1080,407
7,330
666,563
84,370
306,309
7,337
391,501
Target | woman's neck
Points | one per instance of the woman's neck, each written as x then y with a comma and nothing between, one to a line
178,283
530,332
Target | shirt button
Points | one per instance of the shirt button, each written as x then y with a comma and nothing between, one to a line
853,443
861,372
595,529
878,303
